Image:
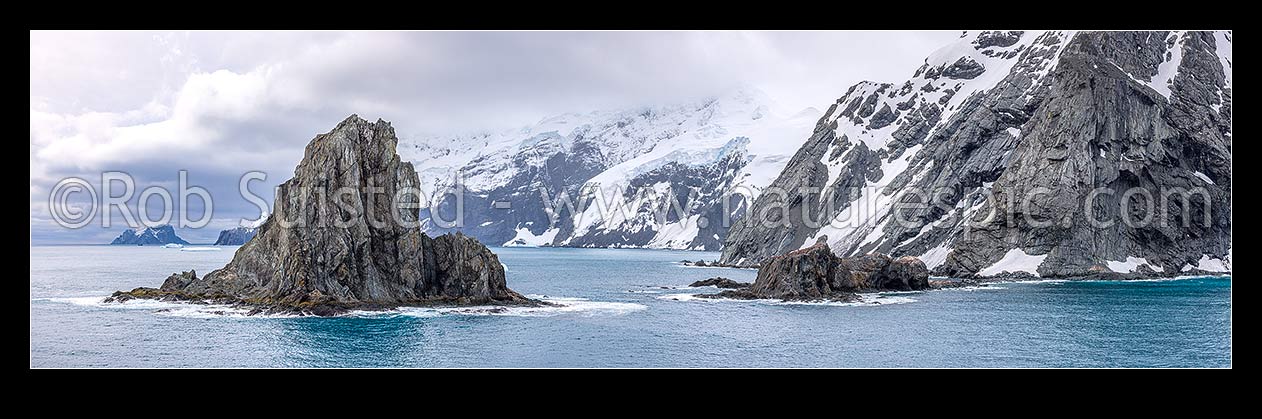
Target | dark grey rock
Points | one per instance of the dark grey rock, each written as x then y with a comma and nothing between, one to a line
882,118
905,274
987,39
305,258
180,281
869,106
1084,122
815,273
964,68
1134,138
719,282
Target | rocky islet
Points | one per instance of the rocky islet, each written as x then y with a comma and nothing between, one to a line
298,262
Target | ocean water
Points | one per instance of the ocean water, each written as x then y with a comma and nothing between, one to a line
626,308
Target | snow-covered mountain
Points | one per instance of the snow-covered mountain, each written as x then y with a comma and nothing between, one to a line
637,160
163,234
1008,114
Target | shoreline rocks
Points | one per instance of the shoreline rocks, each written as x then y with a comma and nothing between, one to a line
816,273
340,241
720,282
700,263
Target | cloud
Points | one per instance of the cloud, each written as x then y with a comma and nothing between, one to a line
219,104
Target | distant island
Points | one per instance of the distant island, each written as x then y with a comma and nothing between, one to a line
159,235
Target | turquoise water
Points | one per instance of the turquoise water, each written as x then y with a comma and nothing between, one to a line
617,315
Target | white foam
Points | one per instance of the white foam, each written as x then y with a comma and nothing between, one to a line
580,306
1177,278
1201,276
166,308
865,300
1031,281
688,297
977,288
79,301
577,306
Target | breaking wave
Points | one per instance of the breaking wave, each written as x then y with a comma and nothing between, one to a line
167,308
577,306
865,300
564,305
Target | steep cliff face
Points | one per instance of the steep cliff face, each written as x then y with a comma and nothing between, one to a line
338,239
1004,132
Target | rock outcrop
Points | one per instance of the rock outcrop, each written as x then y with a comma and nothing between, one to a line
235,236
720,282
343,236
1021,153
158,235
815,273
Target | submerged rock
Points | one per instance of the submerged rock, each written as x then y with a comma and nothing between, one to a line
341,239
816,273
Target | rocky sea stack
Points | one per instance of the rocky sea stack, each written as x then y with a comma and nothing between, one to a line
816,273
325,252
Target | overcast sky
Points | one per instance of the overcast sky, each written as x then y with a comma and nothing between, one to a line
219,104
